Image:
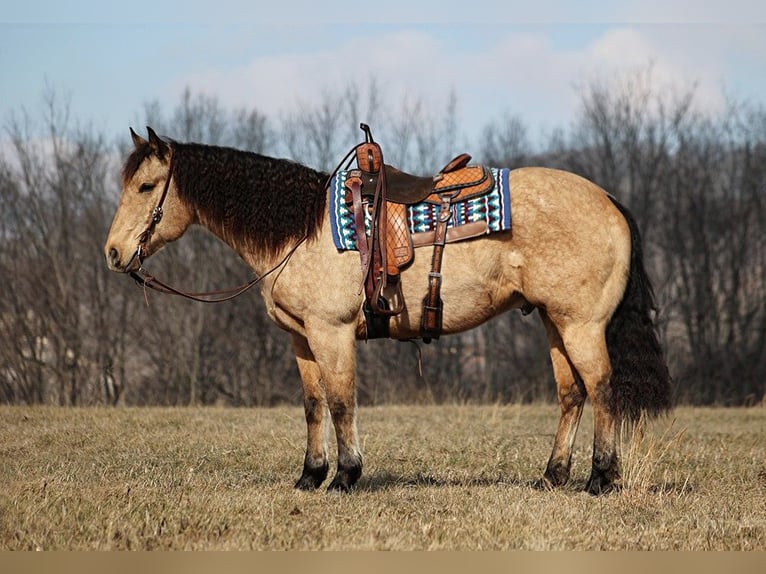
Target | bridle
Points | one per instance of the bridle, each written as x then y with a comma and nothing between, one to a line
146,280
157,212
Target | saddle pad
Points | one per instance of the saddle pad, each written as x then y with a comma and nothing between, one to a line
494,208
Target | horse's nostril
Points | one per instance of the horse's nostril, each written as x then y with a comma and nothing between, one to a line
114,255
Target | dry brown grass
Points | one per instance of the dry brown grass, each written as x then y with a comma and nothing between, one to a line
440,477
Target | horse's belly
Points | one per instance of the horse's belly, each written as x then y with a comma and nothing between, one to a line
478,283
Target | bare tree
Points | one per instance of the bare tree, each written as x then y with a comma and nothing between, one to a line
505,143
713,233
75,334
55,193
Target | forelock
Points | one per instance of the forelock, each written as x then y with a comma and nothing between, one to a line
134,161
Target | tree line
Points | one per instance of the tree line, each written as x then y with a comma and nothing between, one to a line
75,334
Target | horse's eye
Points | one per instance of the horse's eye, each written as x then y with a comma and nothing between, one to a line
146,187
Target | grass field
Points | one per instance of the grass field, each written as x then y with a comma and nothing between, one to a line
436,477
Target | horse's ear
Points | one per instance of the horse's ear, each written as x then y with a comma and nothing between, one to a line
159,146
138,141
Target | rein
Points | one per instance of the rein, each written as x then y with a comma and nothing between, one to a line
146,280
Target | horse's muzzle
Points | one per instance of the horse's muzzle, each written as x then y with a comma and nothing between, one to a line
114,261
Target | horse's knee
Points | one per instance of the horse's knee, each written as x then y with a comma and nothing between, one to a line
339,409
343,413
314,408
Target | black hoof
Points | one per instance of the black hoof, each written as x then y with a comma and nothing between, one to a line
312,477
598,484
339,486
542,484
346,478
556,475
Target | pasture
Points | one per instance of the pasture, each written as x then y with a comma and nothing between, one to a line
436,477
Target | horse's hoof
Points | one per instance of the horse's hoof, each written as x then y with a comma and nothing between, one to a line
312,477
307,483
543,484
339,486
598,485
556,475
345,479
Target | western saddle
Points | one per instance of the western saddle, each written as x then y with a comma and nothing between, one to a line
384,192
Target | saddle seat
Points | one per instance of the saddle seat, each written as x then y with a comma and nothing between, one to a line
407,189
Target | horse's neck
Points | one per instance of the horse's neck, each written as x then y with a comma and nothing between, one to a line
258,259
291,211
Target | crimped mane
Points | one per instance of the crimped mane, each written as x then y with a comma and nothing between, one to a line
260,202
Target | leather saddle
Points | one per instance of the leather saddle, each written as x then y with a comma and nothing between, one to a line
404,188
383,193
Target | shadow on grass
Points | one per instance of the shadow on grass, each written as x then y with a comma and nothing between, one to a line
672,488
384,480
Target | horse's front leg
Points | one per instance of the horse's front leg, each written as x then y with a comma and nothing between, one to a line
315,464
335,350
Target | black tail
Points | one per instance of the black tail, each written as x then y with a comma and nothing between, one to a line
640,379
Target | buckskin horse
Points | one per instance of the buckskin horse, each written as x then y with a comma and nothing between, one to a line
573,253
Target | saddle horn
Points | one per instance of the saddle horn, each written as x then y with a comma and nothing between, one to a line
367,132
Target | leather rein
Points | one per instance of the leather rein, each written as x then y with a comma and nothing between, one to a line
145,279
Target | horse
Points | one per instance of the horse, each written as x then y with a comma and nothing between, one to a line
574,254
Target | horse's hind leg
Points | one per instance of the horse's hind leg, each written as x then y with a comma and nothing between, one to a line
315,464
586,347
571,396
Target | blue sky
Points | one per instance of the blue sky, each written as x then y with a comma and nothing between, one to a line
111,59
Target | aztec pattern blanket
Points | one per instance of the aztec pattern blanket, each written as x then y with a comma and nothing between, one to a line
494,208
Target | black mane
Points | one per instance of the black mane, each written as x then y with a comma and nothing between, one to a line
263,202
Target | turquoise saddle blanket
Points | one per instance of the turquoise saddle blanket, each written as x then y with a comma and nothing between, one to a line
494,208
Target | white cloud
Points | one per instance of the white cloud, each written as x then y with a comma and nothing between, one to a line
677,61
404,61
520,72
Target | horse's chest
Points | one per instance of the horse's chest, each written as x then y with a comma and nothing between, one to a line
281,315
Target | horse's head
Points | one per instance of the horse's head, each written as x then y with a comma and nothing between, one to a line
150,213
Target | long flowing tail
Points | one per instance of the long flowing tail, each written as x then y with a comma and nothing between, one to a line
640,379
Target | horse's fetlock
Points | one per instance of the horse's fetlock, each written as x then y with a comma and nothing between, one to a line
351,463
606,462
601,483
605,473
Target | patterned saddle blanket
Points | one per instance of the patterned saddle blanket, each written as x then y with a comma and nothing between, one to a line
471,218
